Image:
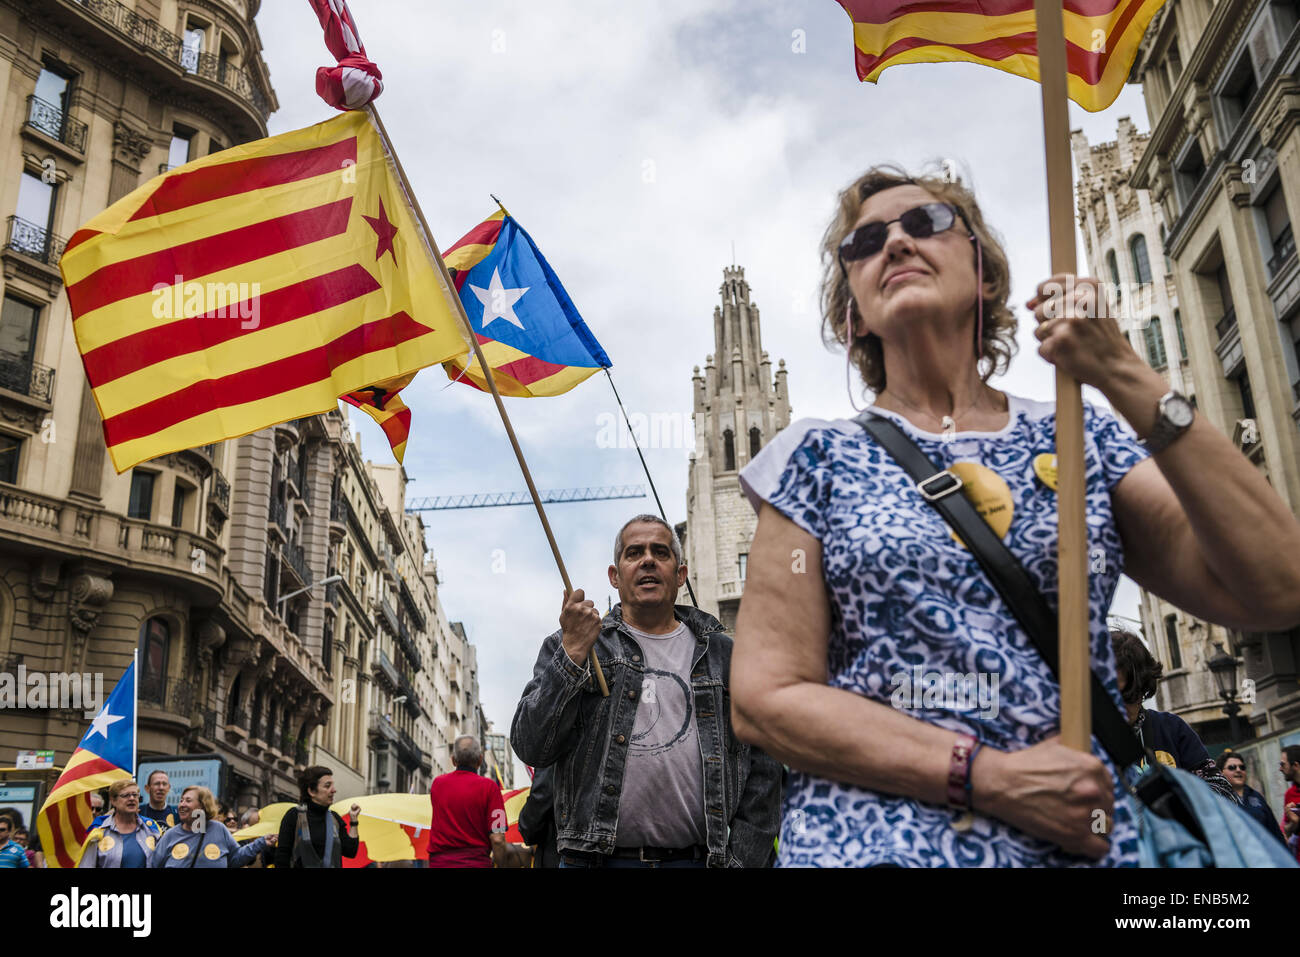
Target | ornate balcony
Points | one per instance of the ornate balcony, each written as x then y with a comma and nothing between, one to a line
277,517
34,242
148,33
171,699
26,377
53,121
385,669
297,562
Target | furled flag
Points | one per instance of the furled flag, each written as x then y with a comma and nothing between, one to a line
530,332
356,80
106,754
1101,38
251,287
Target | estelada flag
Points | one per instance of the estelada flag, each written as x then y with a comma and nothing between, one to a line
382,403
251,287
1101,38
528,328
106,754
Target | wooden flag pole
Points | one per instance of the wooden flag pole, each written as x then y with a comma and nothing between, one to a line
432,246
1072,548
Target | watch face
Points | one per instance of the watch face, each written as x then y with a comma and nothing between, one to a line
1179,411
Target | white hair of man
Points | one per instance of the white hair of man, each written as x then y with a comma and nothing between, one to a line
467,752
654,519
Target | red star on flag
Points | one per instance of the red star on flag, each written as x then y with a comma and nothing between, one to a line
385,230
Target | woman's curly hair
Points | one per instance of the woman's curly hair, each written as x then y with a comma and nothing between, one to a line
1137,664
867,352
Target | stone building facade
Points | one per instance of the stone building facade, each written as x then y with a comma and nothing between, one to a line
739,405
1222,163
1123,237
212,564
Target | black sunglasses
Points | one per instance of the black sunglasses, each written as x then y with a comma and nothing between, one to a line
920,222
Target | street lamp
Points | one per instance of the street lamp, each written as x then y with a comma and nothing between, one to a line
1224,668
294,594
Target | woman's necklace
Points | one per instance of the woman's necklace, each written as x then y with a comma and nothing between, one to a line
947,423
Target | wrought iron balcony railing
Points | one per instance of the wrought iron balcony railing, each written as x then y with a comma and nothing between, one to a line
295,559
1283,250
22,375
153,36
52,120
174,694
277,514
221,491
33,241
1226,324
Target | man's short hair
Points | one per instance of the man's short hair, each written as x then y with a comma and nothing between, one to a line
149,780
7,821
463,754
653,519
1292,752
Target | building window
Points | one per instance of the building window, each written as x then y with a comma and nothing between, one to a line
1164,250
1235,96
18,321
755,441
1182,341
49,113
155,636
11,447
36,203
1242,379
178,153
141,502
728,451
1171,636
1188,172
1278,224
192,46
743,562
179,498
1113,265
1155,343
1141,264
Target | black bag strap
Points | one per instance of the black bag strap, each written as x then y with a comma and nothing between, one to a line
1007,574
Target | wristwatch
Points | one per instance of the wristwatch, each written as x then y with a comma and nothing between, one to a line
1174,416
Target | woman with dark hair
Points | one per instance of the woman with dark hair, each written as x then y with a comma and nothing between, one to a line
856,586
1254,803
311,835
1167,735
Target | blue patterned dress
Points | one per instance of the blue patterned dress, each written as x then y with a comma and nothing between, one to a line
907,599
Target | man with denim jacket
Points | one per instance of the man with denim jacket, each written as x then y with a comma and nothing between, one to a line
652,775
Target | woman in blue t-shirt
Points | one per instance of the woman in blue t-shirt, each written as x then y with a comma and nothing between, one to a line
873,655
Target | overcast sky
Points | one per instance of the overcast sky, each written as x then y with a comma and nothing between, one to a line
637,143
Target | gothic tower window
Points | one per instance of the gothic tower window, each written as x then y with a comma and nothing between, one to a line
755,440
729,450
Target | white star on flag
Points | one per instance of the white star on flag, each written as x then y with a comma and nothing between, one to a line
498,301
102,721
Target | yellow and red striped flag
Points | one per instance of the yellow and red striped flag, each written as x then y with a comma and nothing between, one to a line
1101,38
251,287
382,403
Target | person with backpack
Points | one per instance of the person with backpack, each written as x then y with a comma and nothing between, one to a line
311,835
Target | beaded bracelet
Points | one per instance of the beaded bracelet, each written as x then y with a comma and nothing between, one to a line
959,784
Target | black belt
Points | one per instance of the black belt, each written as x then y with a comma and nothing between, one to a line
662,854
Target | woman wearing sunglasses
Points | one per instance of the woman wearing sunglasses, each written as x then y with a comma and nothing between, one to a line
873,655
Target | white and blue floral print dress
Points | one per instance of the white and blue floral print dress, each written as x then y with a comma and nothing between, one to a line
907,599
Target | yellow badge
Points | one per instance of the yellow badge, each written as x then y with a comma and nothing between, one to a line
171,821
988,492
1045,469
180,851
107,843
211,852
149,842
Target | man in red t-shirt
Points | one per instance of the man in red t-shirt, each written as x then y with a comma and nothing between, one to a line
1290,768
469,816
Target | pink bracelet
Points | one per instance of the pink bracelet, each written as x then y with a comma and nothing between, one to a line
959,772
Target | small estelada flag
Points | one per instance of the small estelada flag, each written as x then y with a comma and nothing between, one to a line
383,404
1101,38
528,328
251,287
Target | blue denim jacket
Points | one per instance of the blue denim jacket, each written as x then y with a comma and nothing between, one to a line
563,720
